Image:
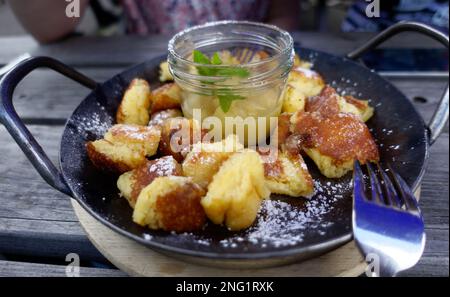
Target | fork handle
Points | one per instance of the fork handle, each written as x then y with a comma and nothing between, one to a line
440,116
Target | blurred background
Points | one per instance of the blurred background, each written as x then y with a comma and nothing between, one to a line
106,17
47,22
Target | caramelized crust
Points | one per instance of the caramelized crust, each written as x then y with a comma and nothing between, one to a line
177,135
144,175
287,174
364,110
283,129
100,154
180,209
131,183
328,103
340,136
124,147
170,203
205,159
356,102
168,96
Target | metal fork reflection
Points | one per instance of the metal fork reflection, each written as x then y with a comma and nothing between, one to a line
387,222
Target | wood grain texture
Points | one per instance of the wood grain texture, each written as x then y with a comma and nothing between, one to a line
138,260
38,221
22,269
27,201
35,219
13,46
45,97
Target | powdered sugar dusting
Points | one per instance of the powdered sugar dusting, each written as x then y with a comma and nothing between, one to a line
163,166
94,123
307,72
280,223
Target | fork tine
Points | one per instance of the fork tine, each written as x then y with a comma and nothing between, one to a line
245,55
358,182
405,191
249,55
375,186
391,193
239,54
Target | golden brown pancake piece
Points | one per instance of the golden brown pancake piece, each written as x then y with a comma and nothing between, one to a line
170,203
205,159
112,158
341,137
235,194
135,104
131,183
158,118
168,96
329,102
287,174
124,147
283,129
177,136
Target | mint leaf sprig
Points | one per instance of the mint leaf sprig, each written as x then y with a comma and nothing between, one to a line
225,96
227,71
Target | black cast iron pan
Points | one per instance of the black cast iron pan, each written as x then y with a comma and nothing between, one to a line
287,229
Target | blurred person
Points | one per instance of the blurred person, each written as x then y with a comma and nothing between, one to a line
46,20
431,12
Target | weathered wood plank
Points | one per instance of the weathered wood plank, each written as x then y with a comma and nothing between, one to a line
434,261
23,269
13,46
34,218
24,194
45,238
126,50
32,212
45,95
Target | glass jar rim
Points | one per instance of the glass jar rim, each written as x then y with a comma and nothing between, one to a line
284,51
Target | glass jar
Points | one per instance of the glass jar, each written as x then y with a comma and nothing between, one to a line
255,60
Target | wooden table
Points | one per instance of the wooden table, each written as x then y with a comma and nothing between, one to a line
38,227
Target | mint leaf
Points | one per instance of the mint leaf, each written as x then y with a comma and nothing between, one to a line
226,71
215,60
200,57
226,97
233,71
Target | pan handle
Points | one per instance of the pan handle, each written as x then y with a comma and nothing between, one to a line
17,129
440,116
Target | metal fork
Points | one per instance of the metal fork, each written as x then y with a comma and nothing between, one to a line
387,223
244,55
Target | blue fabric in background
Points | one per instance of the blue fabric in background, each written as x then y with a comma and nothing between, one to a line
431,12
